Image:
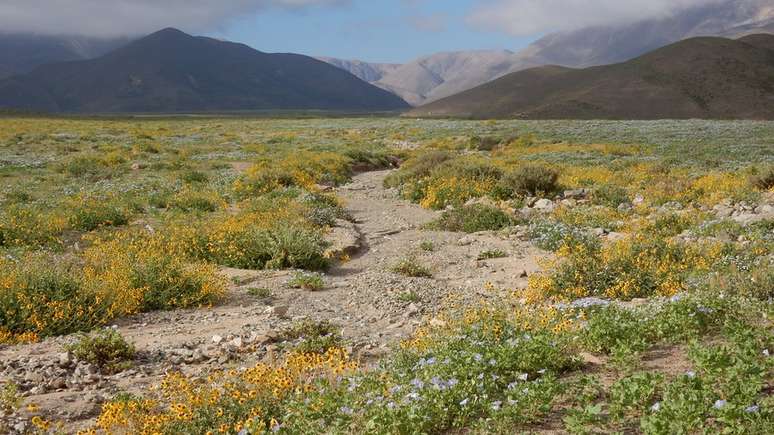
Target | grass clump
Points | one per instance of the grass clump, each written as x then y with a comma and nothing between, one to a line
427,246
260,292
309,336
107,349
473,218
531,180
412,268
409,296
307,281
491,254
90,213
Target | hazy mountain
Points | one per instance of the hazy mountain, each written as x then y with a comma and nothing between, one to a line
433,77
366,71
23,53
170,71
705,77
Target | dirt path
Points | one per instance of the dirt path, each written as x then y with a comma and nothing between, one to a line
374,306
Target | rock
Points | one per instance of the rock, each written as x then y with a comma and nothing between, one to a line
33,377
544,204
521,273
58,383
412,309
575,194
569,203
236,343
599,231
437,323
625,206
20,427
278,310
723,211
217,339
465,241
613,236
64,359
638,200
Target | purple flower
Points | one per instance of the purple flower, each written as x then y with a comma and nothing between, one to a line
478,357
417,383
719,404
346,410
752,409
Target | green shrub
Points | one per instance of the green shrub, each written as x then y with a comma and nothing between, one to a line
473,218
107,349
417,167
18,196
427,246
307,281
410,267
610,195
309,336
531,180
195,200
194,177
87,214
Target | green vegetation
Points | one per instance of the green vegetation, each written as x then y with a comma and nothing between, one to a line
307,281
411,267
107,349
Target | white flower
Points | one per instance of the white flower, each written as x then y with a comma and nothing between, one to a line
752,409
464,402
656,406
719,404
690,374
523,377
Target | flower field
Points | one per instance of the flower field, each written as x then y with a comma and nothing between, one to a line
651,312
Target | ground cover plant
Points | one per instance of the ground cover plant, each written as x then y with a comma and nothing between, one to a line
651,312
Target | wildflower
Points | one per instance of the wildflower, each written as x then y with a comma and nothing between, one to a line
496,405
523,377
464,402
512,385
478,357
765,352
752,409
452,382
492,362
395,389
346,410
719,404
691,374
417,383
656,406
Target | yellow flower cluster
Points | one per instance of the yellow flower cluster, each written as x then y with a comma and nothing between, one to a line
441,192
226,402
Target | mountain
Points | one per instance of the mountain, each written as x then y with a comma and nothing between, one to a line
21,53
171,71
704,77
436,76
369,72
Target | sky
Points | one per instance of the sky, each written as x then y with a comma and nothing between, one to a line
371,30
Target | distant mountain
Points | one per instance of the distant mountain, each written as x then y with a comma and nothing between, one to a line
705,77
171,71
436,76
369,72
21,53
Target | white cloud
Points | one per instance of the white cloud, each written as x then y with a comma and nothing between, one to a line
529,17
132,17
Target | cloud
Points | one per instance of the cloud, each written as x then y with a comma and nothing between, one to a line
430,23
529,17
133,17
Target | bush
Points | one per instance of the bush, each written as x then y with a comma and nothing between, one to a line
473,218
30,226
531,180
309,336
610,195
191,177
417,167
196,200
490,254
107,349
410,267
42,296
90,213
764,179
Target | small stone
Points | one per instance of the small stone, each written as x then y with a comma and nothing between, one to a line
64,359
217,339
278,310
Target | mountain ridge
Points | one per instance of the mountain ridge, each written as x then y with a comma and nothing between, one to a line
702,77
171,71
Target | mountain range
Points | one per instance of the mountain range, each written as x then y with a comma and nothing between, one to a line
171,71
433,77
703,77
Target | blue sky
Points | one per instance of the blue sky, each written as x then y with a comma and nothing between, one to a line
371,30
